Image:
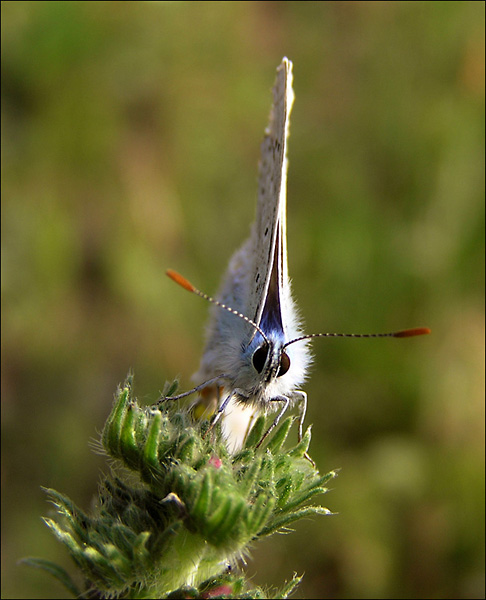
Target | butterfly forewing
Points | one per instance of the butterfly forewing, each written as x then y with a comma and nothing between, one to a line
272,195
257,369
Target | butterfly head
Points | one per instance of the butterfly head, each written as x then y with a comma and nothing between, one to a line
269,358
270,361
269,369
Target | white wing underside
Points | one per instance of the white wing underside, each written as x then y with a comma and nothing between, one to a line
247,279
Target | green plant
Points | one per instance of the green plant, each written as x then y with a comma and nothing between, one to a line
177,525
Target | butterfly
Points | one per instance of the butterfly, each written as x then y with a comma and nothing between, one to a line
256,355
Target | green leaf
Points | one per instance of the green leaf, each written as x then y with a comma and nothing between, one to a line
285,520
55,570
256,433
188,506
111,431
289,587
279,437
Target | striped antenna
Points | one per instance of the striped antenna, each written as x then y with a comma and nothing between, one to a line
397,334
187,285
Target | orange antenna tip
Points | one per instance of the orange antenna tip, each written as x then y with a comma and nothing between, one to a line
182,281
412,332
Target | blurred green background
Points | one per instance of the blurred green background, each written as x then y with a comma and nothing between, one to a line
130,138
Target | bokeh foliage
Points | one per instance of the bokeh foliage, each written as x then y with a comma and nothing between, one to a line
130,139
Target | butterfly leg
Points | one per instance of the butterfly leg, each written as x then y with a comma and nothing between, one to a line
286,402
301,398
220,412
201,386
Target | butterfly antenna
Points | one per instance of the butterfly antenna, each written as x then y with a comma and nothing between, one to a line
187,285
397,334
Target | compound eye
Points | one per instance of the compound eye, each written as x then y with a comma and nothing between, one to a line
284,364
260,358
